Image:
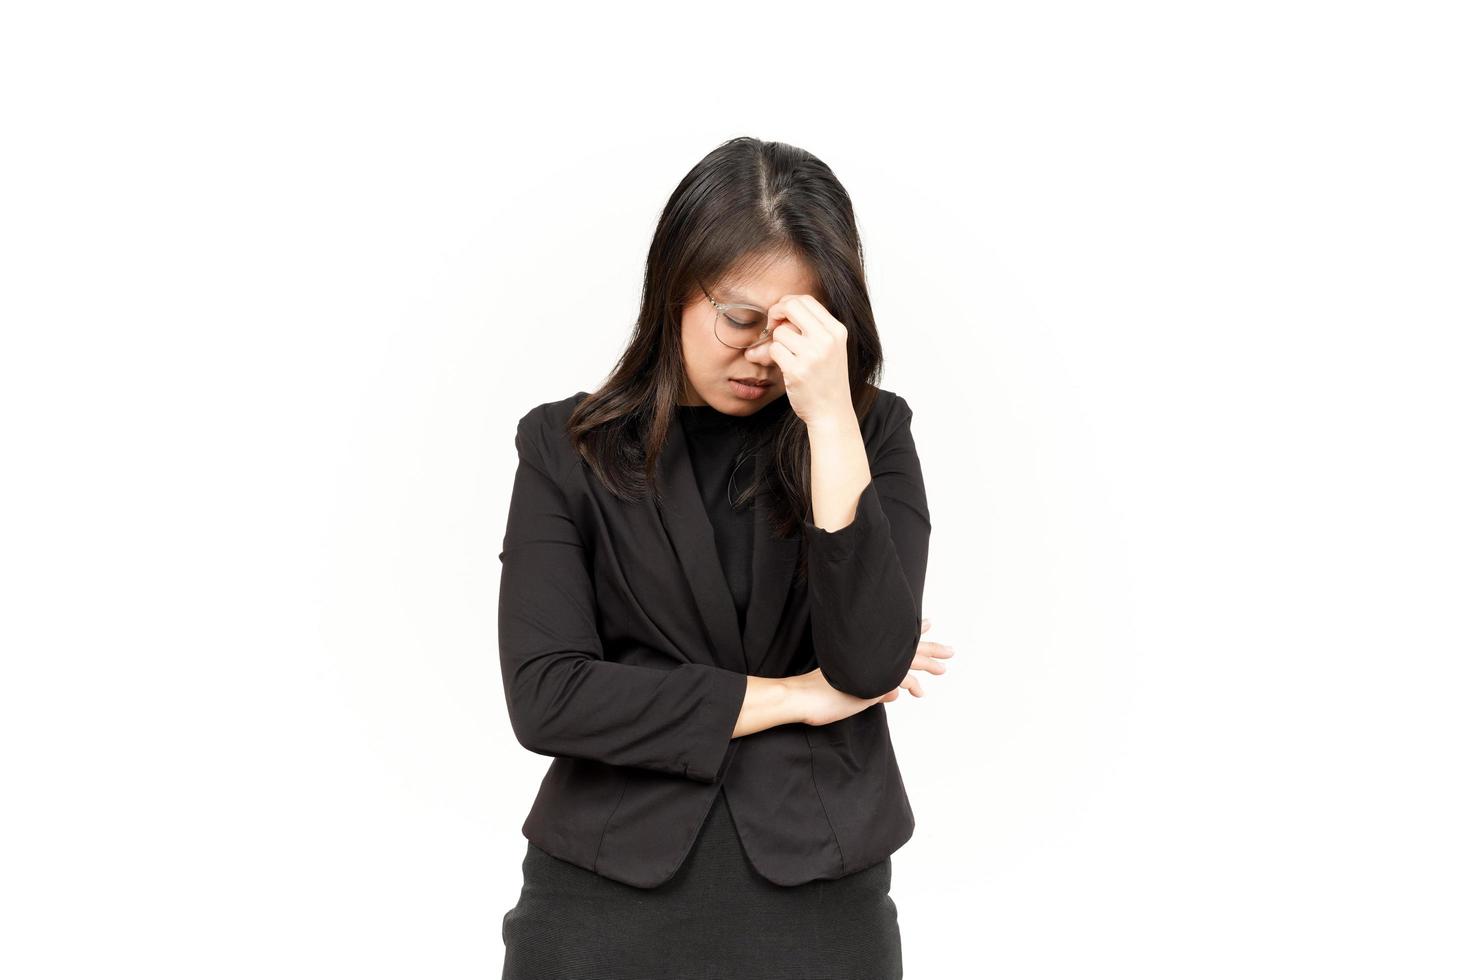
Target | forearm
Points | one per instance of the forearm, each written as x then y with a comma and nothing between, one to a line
769,701
676,721
839,470
868,543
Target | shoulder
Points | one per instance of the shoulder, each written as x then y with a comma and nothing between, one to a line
541,433
891,405
888,417
552,413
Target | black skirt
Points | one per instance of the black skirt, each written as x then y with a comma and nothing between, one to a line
715,918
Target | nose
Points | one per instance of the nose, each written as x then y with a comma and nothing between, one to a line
760,353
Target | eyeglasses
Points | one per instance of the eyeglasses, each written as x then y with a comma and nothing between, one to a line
739,325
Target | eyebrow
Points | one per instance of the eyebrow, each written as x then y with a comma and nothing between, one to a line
732,297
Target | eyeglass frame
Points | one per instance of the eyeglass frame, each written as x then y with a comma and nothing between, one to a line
720,309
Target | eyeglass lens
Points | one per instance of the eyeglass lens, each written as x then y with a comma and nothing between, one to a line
739,326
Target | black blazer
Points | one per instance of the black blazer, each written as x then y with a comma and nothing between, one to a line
622,658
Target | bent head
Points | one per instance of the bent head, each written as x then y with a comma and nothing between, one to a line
714,339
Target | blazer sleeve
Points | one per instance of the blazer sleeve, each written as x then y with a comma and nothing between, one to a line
866,579
563,697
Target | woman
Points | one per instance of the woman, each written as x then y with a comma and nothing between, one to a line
711,584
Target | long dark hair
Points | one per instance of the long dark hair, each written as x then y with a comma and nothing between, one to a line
747,201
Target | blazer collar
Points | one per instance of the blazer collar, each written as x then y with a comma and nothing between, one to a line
773,560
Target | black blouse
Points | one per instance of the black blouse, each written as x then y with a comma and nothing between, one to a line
719,447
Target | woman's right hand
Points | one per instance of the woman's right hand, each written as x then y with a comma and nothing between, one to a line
822,704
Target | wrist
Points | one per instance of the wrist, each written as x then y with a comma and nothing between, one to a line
791,699
769,701
839,421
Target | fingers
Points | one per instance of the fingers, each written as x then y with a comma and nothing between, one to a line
929,666
928,653
910,682
809,316
928,657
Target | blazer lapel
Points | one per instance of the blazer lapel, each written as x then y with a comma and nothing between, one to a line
772,563
688,527
773,560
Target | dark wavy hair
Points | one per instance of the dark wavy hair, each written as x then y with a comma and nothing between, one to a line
746,202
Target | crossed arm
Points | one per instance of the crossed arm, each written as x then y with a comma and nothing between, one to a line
867,558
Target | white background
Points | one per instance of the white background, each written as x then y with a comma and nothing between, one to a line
1177,293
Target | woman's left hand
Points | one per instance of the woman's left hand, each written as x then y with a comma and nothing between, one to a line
809,345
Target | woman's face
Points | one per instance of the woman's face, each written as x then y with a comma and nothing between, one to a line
710,367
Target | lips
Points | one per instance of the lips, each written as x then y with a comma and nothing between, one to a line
753,381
